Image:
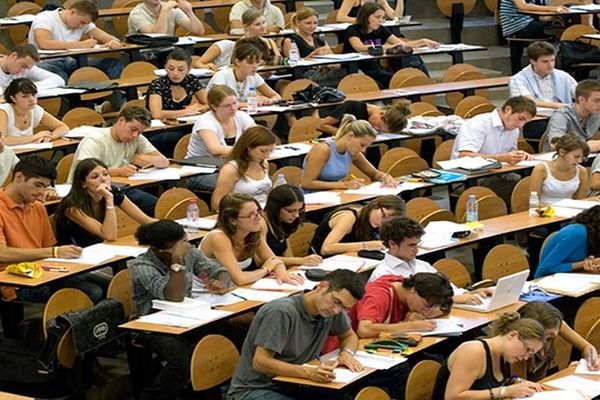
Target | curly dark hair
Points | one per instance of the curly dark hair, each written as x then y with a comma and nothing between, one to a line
591,220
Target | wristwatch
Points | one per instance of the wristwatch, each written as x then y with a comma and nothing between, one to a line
177,267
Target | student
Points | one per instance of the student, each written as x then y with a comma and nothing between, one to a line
354,228
62,29
88,215
480,369
236,242
574,248
178,93
284,214
328,162
515,23
25,231
581,118
166,272
247,169
273,16
8,159
303,322
124,149
392,118
564,177
401,236
21,63
368,31
349,9
242,75
21,114
155,16
551,320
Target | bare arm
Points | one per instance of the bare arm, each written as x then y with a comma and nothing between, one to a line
107,229
264,361
212,144
370,329
228,176
512,157
595,181
389,11
193,24
104,38
161,24
328,125
270,95
57,128
341,224
366,167
206,59
315,160
537,179
342,15
583,189
154,157
44,39
134,212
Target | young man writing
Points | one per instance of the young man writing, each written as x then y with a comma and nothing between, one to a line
21,63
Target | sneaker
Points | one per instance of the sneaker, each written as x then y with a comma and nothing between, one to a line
103,107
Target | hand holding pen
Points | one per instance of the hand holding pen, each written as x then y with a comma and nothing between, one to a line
591,356
323,373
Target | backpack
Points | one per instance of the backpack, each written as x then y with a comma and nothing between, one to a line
319,94
575,52
152,40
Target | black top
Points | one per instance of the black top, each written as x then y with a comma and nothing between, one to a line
352,107
70,232
324,229
278,247
162,87
375,38
303,47
487,381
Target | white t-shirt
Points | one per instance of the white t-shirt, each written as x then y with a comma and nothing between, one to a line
208,121
36,116
226,48
50,21
115,154
485,134
272,14
227,77
8,159
43,79
257,188
141,16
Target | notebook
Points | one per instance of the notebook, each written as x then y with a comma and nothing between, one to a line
507,292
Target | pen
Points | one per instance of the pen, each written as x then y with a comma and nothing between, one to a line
318,359
353,177
239,296
54,269
292,147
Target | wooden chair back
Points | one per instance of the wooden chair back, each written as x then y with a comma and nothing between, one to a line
292,175
479,109
139,70
62,301
18,33
303,129
439,215
403,74
503,260
563,350
462,72
478,191
523,145
575,32
587,315
213,362
407,165
331,18
298,84
390,157
424,109
179,210
63,167
421,380
519,198
120,289
468,103
357,83
411,78
125,224
372,393
135,102
181,147
171,197
90,74
445,6
79,116
52,106
300,240
419,207
593,335
443,152
490,207
456,271
119,22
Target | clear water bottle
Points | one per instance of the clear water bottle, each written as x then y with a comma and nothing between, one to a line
294,55
534,203
252,100
193,212
279,181
472,209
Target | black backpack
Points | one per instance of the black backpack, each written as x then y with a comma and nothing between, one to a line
153,40
319,94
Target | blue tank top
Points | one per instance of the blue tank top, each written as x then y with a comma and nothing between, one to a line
337,166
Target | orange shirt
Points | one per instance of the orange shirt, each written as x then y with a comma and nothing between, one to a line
25,227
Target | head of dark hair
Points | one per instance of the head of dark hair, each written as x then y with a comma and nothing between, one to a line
246,50
20,85
398,228
280,197
229,210
78,197
364,12
520,104
545,313
590,218
435,288
34,166
539,49
252,137
345,279
585,88
26,50
394,206
527,328
180,54
85,7
396,115
161,235
140,114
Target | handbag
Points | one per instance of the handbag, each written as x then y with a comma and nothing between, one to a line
574,52
156,40
375,51
319,94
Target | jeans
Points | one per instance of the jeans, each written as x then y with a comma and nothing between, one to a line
145,201
203,182
176,351
91,284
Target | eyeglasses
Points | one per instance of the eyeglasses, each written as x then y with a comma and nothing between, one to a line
528,349
252,215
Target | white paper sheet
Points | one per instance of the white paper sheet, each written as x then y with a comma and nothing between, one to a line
290,150
555,395
17,19
157,174
189,307
186,170
431,240
578,204
183,321
271,284
344,375
92,255
582,368
566,212
83,131
62,189
445,227
577,384
38,146
375,188
206,224
217,299
377,361
199,72
259,295
324,197
445,327
468,163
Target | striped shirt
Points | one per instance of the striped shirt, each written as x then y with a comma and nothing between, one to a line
511,19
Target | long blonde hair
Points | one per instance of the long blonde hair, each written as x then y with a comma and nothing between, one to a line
359,127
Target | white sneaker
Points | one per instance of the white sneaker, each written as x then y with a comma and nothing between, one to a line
103,107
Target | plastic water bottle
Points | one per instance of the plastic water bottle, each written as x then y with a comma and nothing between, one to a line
472,209
534,203
279,181
252,100
294,55
192,211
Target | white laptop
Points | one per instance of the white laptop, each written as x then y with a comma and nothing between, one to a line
507,291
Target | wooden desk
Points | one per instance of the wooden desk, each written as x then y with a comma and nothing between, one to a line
10,396
56,144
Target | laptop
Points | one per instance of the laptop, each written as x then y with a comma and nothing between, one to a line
508,289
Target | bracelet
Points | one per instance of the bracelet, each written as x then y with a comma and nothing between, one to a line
55,251
108,208
348,351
